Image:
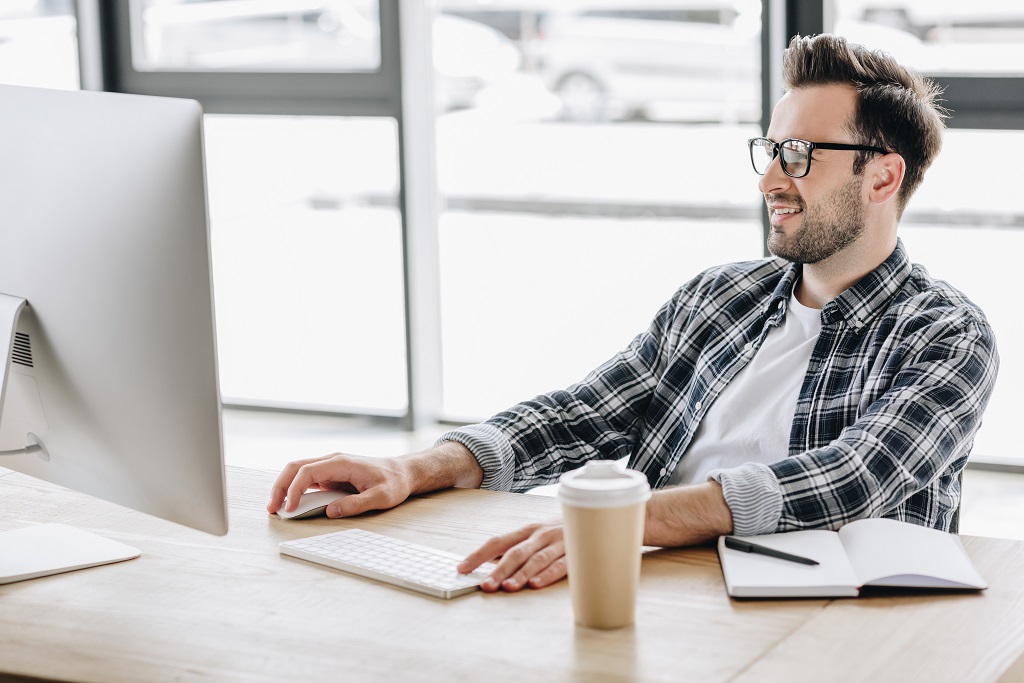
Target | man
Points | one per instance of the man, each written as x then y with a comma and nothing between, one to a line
833,382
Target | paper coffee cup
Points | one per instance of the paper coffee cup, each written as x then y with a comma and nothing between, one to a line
603,507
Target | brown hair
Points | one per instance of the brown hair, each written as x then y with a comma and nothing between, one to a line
897,109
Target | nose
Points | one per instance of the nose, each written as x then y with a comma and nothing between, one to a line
775,180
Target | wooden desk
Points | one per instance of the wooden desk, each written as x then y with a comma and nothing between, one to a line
200,607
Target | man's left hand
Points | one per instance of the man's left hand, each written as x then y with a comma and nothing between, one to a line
532,556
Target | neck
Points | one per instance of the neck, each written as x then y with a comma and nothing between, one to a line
822,282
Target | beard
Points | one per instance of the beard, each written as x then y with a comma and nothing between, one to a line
834,224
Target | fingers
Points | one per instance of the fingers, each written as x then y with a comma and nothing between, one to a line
527,561
555,572
371,499
494,548
280,488
304,476
377,483
532,556
330,472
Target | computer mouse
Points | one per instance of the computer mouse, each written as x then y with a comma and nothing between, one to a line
311,504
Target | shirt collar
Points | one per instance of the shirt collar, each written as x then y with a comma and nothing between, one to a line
859,304
870,296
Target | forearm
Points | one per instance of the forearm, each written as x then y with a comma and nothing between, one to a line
562,430
532,443
446,465
687,515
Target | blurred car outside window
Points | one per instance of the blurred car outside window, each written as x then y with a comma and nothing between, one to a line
939,37
653,59
256,35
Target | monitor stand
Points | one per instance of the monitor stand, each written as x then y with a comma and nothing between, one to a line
45,549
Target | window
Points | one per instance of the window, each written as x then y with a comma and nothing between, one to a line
303,158
39,44
307,254
585,183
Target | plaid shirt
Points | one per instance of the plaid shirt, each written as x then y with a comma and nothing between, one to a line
885,420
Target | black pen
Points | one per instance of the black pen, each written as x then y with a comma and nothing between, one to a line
748,547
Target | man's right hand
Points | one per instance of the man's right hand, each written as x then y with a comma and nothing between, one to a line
379,483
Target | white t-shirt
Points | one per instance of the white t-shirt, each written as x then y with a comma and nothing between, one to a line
752,417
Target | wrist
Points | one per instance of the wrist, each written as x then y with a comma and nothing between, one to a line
447,465
687,515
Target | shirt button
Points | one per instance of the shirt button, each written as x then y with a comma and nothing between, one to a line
748,346
663,472
697,405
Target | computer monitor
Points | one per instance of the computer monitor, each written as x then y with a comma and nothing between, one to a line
109,380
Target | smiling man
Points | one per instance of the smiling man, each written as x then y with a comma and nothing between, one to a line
833,382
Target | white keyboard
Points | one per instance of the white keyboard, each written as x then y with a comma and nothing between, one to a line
409,565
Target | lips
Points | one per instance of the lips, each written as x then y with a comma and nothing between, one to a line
780,215
783,207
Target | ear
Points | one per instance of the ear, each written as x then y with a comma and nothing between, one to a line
886,176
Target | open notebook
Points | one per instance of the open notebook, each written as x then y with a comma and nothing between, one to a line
868,552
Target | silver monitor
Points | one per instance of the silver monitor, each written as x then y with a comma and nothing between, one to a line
109,379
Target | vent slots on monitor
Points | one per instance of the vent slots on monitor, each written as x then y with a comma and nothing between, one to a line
21,353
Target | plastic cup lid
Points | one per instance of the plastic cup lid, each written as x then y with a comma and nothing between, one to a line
603,484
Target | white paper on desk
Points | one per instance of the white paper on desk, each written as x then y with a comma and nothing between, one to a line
749,575
885,552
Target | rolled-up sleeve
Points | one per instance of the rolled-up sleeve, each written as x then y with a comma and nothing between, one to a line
754,497
492,451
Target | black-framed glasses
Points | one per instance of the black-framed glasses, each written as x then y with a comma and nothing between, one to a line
794,154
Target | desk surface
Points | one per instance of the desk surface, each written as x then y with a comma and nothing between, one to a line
200,607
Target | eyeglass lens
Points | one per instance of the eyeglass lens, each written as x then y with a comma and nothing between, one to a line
796,156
